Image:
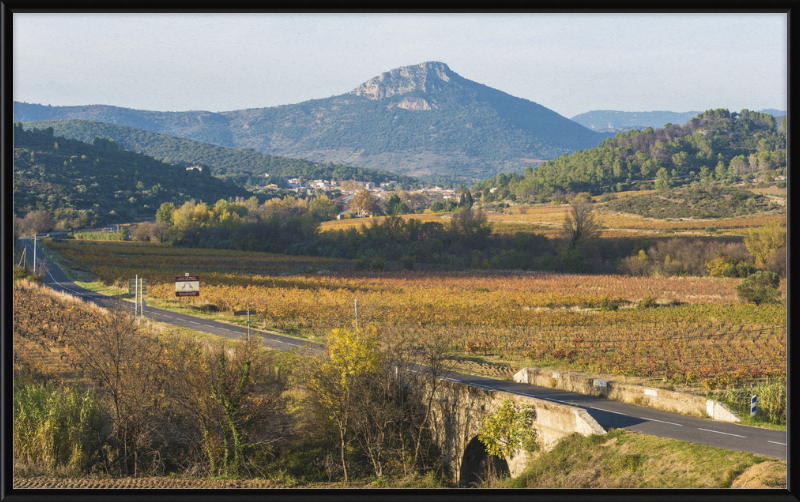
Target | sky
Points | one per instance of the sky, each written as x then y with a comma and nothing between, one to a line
569,63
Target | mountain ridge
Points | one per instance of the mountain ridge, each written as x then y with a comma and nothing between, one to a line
413,120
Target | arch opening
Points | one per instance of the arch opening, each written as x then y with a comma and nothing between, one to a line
477,465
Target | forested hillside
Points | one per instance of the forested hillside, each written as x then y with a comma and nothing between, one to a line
233,163
715,146
82,184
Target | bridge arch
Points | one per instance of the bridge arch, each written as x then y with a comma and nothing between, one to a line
476,461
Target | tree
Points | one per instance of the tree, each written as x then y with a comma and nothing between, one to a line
332,378
663,180
394,199
36,222
322,208
764,241
164,213
351,185
579,225
400,208
468,224
363,204
761,287
125,363
508,430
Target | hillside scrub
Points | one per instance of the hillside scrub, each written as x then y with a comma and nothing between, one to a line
172,403
622,459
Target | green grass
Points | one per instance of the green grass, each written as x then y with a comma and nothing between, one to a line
55,431
623,459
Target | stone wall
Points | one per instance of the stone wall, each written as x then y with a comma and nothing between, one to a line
635,394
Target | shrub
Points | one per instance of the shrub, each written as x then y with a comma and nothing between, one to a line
647,302
781,184
761,287
22,273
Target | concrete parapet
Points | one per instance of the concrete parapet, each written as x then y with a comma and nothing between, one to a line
635,394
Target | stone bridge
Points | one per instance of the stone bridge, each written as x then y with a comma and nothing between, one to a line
459,409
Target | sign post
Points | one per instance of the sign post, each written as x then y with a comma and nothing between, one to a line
138,288
243,312
34,254
753,401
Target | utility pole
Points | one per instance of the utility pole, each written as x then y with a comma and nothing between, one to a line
356,304
136,295
34,254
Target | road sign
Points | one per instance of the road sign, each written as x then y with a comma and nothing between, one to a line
132,286
241,312
753,401
187,286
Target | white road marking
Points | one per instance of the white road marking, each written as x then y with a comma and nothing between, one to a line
193,322
726,433
663,422
608,411
784,444
208,325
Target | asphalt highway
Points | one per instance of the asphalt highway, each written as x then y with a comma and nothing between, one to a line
607,413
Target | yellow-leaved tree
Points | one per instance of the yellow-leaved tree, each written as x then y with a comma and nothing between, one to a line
762,242
330,379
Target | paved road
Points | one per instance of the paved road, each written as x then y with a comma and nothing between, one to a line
608,413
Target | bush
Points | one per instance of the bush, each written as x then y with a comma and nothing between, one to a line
761,287
55,431
647,302
781,184
22,273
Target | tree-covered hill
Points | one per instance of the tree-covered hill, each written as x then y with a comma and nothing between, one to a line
715,147
92,184
224,162
414,120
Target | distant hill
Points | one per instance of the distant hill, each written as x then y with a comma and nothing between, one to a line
616,121
227,162
414,120
83,184
715,147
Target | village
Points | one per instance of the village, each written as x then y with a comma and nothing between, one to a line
417,199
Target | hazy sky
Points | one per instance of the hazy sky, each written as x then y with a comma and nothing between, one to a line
570,63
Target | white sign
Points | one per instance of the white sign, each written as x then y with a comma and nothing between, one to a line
650,392
187,286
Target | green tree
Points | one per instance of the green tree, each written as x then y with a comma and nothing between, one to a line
508,430
761,287
164,213
663,180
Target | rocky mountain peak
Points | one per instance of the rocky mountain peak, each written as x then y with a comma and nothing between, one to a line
427,77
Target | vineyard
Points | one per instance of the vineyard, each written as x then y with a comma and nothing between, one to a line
699,332
548,219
